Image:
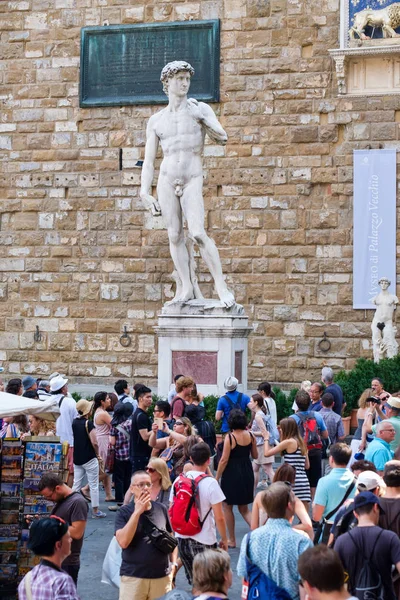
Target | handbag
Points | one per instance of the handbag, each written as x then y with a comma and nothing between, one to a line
101,462
161,539
112,564
110,460
324,527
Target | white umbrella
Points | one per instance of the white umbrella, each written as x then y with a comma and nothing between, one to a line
11,406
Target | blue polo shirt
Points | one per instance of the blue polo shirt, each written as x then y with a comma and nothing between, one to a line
332,488
226,407
379,453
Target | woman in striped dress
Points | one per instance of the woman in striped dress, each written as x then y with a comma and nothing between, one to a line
294,452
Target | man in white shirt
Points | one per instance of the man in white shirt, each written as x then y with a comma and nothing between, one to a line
210,501
68,412
265,390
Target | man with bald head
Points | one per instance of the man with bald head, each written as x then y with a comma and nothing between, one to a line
181,128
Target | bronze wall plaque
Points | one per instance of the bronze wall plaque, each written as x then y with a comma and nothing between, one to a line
121,64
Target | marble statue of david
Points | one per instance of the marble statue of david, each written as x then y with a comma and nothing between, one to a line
180,128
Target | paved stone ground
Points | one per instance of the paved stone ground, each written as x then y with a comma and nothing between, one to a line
97,537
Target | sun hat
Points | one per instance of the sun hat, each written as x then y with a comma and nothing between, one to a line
393,402
84,407
230,384
28,382
57,383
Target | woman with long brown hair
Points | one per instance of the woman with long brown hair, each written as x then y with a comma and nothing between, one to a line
294,452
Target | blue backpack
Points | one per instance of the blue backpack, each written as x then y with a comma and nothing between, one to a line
259,584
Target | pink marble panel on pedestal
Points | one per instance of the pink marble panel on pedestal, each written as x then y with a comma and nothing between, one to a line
239,365
201,366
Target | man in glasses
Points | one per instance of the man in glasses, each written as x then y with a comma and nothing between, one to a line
145,571
379,451
50,539
73,509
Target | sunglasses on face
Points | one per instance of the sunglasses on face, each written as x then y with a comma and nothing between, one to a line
150,470
178,423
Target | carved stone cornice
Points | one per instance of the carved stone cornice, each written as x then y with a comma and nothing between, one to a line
203,332
343,56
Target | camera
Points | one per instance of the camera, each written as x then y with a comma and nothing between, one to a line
374,399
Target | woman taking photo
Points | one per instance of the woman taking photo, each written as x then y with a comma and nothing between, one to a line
287,474
235,471
86,451
294,452
363,408
172,446
160,482
262,423
102,423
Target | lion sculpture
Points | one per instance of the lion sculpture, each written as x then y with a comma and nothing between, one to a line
388,19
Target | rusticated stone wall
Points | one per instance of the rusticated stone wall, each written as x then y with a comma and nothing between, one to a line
77,255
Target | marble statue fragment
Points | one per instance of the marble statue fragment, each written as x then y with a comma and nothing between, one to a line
180,129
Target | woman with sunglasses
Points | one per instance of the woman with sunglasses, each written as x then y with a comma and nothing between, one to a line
259,517
160,481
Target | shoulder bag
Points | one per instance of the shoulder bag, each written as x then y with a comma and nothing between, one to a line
324,528
101,462
160,538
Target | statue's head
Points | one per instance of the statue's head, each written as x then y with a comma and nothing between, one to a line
384,282
171,69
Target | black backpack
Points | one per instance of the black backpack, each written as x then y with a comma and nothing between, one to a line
346,523
368,585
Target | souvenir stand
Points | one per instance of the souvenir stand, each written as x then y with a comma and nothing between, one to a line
22,465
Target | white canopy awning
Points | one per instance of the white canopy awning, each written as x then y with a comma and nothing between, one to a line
11,406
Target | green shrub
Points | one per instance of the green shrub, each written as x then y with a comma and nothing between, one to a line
210,404
283,402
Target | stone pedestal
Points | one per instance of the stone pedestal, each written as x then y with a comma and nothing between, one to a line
204,340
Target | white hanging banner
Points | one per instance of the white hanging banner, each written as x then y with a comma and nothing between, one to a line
374,219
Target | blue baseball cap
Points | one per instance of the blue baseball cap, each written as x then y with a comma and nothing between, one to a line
365,498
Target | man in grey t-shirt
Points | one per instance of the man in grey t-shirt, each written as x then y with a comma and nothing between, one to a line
73,509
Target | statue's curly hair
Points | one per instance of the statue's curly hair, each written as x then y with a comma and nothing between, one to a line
171,69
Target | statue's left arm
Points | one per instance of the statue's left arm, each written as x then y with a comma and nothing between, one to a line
205,115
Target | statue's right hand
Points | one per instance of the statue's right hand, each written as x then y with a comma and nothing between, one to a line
151,203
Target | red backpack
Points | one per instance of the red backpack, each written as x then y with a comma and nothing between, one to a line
308,427
184,512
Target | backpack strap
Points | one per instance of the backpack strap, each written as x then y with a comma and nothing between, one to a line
368,559
197,481
231,404
123,431
343,500
28,585
60,401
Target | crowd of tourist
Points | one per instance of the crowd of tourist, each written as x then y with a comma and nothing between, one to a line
325,523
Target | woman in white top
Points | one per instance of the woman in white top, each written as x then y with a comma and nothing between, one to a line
259,427
266,392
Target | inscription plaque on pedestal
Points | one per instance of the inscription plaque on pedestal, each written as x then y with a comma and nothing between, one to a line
121,64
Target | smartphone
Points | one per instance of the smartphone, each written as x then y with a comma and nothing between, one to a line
159,422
